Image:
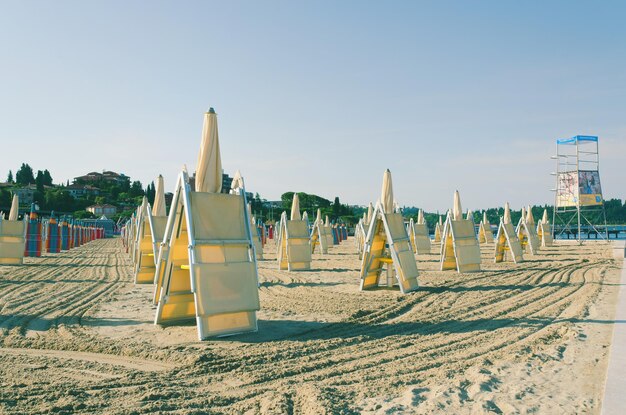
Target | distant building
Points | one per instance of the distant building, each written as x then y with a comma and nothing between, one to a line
26,194
105,176
99,210
78,191
226,182
274,204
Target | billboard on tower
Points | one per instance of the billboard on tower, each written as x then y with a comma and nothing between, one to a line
583,185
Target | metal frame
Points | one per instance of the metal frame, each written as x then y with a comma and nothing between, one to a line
182,200
573,155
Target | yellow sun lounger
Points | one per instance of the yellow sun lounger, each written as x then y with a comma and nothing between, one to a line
209,267
507,241
387,242
12,241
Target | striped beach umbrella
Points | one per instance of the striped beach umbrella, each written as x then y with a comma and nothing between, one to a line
53,241
64,234
33,235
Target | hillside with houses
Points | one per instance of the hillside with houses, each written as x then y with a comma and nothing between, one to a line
94,194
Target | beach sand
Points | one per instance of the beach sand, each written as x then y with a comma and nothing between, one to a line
76,336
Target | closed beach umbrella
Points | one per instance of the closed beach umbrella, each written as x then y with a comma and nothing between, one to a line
529,216
318,219
420,217
470,215
15,207
370,212
386,193
523,214
209,168
485,217
237,182
327,222
544,219
295,207
158,209
507,213
457,211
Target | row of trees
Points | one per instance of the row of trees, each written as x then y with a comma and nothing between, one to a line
25,176
127,194
335,210
615,213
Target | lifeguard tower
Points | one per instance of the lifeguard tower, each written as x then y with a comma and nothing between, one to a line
578,204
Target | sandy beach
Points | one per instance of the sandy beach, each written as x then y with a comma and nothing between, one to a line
76,336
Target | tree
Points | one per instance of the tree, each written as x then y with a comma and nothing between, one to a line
83,214
136,189
150,192
24,176
10,177
39,181
5,200
336,208
47,178
59,201
256,204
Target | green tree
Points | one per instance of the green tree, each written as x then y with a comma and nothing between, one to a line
83,214
136,189
150,192
336,208
47,178
24,175
5,200
10,177
59,201
39,181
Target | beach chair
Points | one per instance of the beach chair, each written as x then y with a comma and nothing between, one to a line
507,244
12,241
459,246
319,237
420,240
544,233
256,235
387,245
359,237
294,243
150,235
527,234
485,234
210,271
438,231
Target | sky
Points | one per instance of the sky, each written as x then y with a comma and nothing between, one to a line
318,97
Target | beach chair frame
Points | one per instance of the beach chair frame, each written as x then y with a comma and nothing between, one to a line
507,241
387,242
196,289
459,246
420,240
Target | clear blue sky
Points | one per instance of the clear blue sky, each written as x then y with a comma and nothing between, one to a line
318,96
